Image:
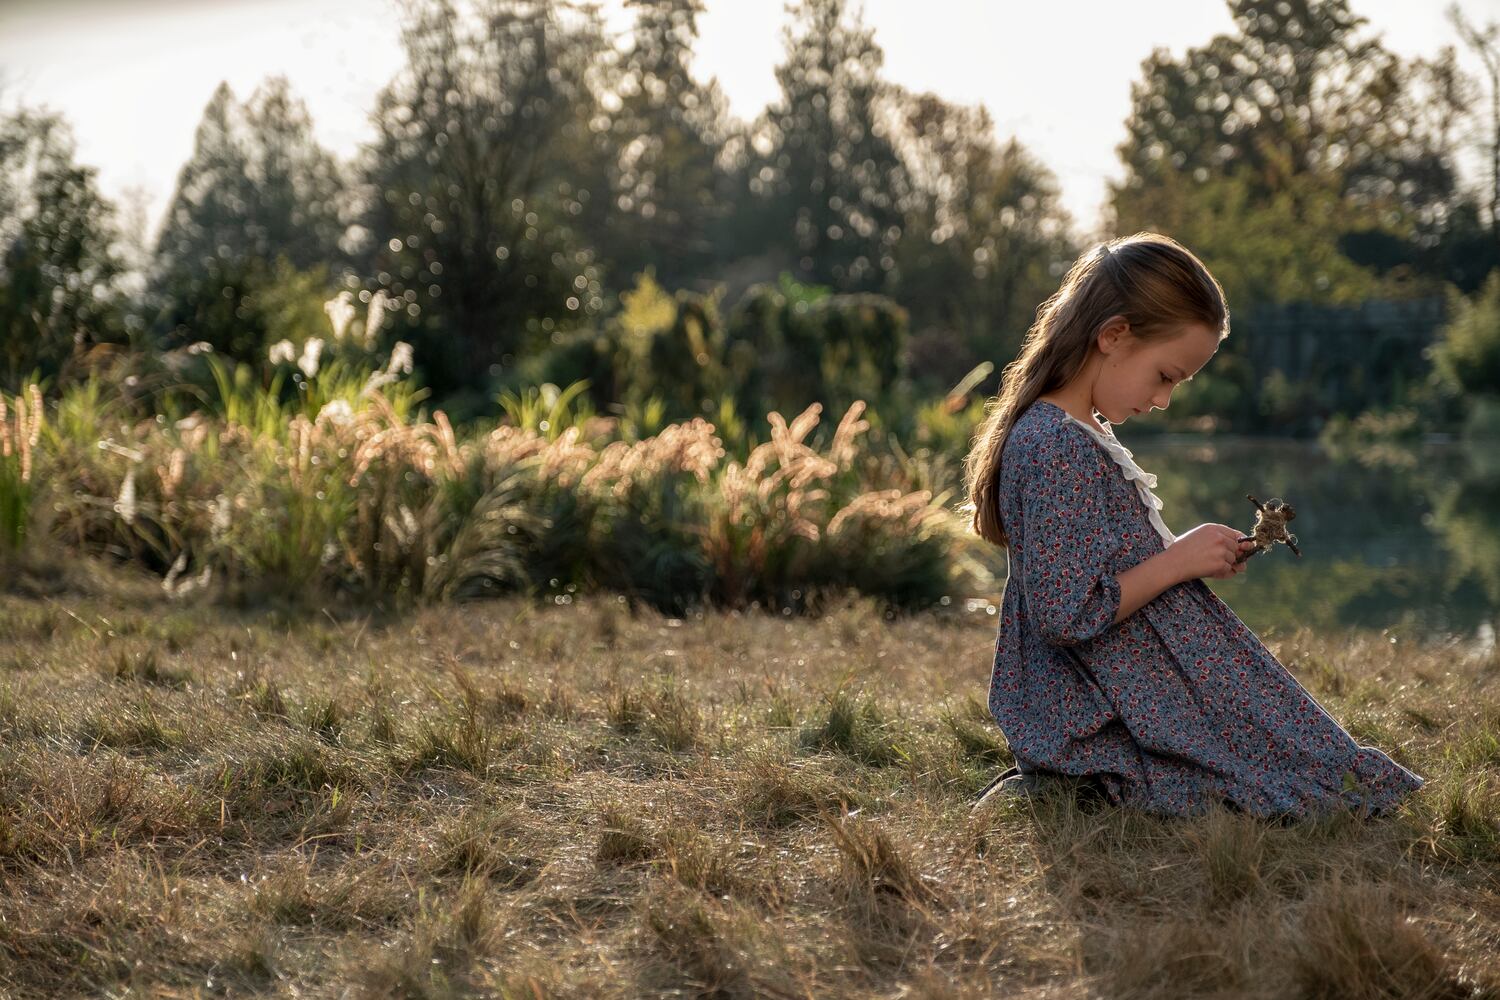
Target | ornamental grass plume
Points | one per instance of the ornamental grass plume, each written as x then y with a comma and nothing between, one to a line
340,310
629,525
283,352
904,510
688,448
562,462
507,443
312,352
433,516
374,318
137,488
792,522
358,491
20,431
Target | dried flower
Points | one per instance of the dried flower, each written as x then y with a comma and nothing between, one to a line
171,474
340,310
19,440
219,524
680,448
843,449
374,316
282,352
401,359
311,352
336,411
125,505
907,511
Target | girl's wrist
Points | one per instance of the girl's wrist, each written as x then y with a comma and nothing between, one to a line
1172,572
1141,584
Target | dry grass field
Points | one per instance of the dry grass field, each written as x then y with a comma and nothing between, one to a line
541,800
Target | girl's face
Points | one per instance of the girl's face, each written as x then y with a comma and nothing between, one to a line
1136,377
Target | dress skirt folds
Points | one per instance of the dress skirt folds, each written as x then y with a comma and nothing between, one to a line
1179,705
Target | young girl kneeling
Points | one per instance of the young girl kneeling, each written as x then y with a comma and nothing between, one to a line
1115,665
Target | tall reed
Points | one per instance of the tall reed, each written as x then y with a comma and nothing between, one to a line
20,432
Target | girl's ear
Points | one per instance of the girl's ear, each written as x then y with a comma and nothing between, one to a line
1113,333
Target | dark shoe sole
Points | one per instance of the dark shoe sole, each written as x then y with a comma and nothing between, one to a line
1086,792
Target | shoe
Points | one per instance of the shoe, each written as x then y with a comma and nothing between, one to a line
1086,792
1010,782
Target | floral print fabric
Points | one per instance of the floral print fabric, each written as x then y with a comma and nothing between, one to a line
1179,705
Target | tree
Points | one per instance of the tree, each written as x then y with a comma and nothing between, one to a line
1484,43
824,163
484,182
986,237
1300,96
1298,89
1467,355
205,219
297,185
668,190
256,189
58,259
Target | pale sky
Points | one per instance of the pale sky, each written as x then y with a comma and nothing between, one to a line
133,76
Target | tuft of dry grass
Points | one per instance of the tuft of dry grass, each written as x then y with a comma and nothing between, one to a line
1231,847
1356,940
773,794
485,842
623,838
715,948
141,666
856,727
880,883
584,799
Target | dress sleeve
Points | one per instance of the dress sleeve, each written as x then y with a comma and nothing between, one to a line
1067,540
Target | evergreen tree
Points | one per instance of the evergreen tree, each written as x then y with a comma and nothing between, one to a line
830,175
297,185
668,191
206,217
986,238
485,184
58,259
257,187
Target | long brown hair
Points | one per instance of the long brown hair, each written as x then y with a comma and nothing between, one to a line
1151,280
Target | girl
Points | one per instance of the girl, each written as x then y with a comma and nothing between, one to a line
1116,668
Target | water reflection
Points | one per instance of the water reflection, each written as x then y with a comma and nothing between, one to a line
1403,539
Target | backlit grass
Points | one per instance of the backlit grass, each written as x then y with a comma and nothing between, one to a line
528,799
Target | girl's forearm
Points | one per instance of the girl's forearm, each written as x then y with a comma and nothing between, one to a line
1143,581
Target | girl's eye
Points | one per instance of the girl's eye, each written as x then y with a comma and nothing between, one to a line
1165,377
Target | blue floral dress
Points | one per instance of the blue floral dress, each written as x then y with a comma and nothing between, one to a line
1179,705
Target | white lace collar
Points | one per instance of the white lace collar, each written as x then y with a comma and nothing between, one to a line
1144,481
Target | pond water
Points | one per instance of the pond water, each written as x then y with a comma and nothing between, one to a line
1399,539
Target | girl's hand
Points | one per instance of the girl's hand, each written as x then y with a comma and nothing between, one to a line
1208,550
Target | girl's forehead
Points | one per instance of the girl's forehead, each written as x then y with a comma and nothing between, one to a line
1191,349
